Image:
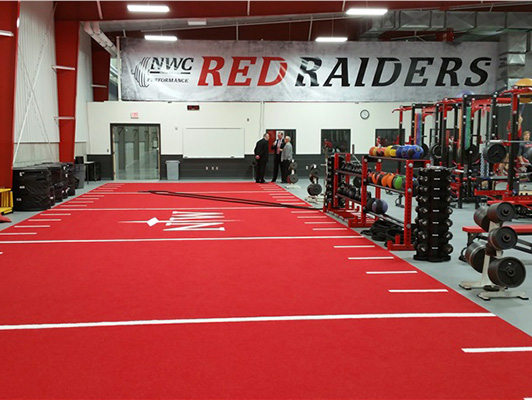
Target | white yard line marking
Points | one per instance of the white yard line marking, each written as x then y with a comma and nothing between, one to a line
371,258
42,219
389,272
312,216
357,246
350,247
305,212
327,222
31,226
56,214
243,319
25,233
98,191
73,205
197,239
330,229
172,209
496,349
418,290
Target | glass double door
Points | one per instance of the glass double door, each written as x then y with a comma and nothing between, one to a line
136,151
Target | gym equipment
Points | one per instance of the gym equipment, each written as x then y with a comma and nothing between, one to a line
501,212
293,178
474,255
433,215
508,272
502,238
481,218
314,170
494,153
314,189
293,165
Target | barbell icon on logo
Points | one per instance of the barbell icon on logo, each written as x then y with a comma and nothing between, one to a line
141,72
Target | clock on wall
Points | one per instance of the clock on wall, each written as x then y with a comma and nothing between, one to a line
364,114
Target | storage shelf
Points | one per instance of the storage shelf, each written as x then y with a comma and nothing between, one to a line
62,68
339,171
400,191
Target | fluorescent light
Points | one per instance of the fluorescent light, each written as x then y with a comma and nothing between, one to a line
147,8
366,11
160,38
197,22
331,39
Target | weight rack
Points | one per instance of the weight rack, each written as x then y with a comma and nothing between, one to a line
356,212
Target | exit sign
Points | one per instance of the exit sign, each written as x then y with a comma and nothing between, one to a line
194,107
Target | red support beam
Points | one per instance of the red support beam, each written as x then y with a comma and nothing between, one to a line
101,63
9,14
66,56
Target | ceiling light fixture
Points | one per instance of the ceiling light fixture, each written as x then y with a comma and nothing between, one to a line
148,8
197,22
160,38
366,11
331,39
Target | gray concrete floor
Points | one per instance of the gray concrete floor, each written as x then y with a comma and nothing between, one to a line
515,311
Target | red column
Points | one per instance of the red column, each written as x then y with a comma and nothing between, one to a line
66,56
101,63
9,14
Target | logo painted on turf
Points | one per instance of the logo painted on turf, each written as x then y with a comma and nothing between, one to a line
189,221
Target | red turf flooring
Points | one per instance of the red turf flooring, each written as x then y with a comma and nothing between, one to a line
103,262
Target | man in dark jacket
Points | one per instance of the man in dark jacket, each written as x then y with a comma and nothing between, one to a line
261,156
277,148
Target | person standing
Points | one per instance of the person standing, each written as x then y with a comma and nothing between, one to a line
286,159
277,148
261,156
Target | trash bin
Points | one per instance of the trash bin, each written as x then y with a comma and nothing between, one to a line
80,175
172,170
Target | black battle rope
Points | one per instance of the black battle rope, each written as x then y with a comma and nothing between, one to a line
226,199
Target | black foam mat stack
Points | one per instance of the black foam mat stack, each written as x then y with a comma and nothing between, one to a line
63,177
39,187
32,188
432,236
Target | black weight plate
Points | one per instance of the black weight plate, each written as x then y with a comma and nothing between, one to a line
501,212
435,151
293,178
474,256
357,181
481,218
507,272
502,238
293,165
494,153
314,189
314,171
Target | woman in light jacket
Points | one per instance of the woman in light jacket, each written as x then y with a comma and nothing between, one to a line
286,159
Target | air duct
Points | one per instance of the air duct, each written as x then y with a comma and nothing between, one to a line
93,30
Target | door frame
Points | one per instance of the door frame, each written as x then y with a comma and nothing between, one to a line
117,124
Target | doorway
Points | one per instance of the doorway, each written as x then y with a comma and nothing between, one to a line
135,150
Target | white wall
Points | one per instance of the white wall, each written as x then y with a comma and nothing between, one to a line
255,118
173,118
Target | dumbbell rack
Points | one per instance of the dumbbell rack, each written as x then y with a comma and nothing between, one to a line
408,192
352,211
366,218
